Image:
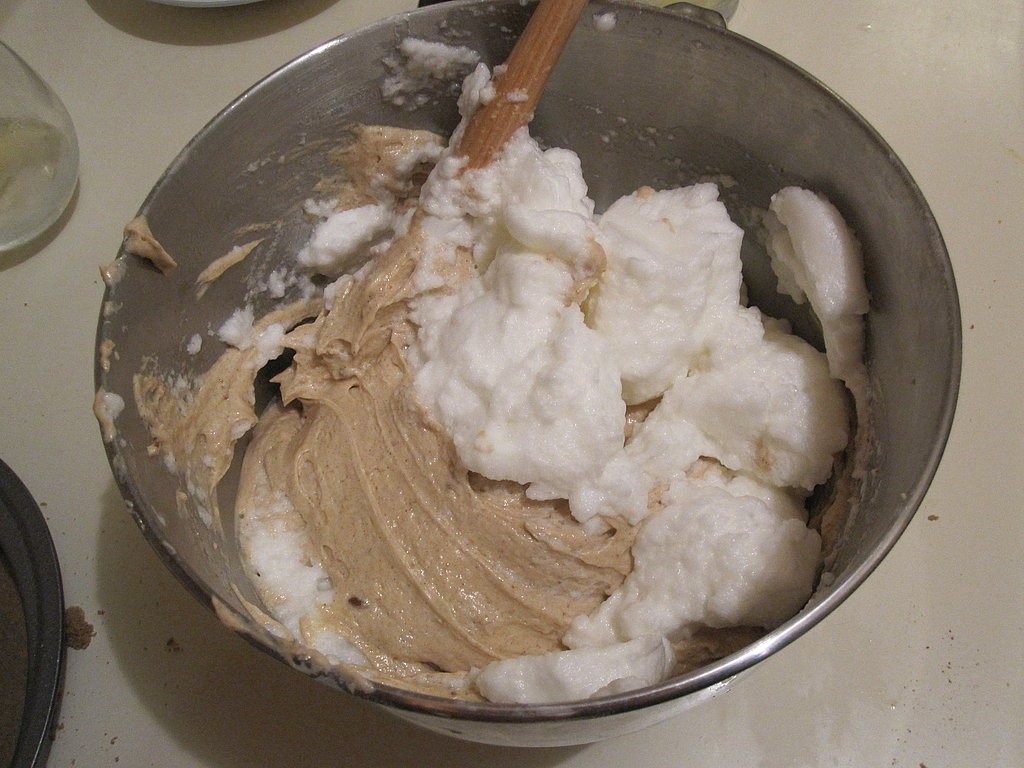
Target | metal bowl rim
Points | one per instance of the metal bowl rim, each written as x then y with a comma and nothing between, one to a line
704,678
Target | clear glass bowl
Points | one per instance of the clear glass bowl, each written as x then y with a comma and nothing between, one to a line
38,153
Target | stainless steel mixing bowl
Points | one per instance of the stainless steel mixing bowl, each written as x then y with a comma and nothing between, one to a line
663,98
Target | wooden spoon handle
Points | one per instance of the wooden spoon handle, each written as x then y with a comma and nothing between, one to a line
519,87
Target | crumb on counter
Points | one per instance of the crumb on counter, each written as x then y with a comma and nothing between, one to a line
78,633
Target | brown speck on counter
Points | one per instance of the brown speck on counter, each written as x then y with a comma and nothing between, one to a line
933,517
172,645
78,632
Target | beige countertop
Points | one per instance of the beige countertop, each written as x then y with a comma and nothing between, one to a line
923,666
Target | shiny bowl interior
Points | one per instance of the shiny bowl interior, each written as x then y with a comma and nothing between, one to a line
664,98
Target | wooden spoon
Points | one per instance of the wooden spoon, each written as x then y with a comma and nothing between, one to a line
518,88
520,85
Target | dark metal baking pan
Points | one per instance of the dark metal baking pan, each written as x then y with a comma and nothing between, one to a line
29,558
